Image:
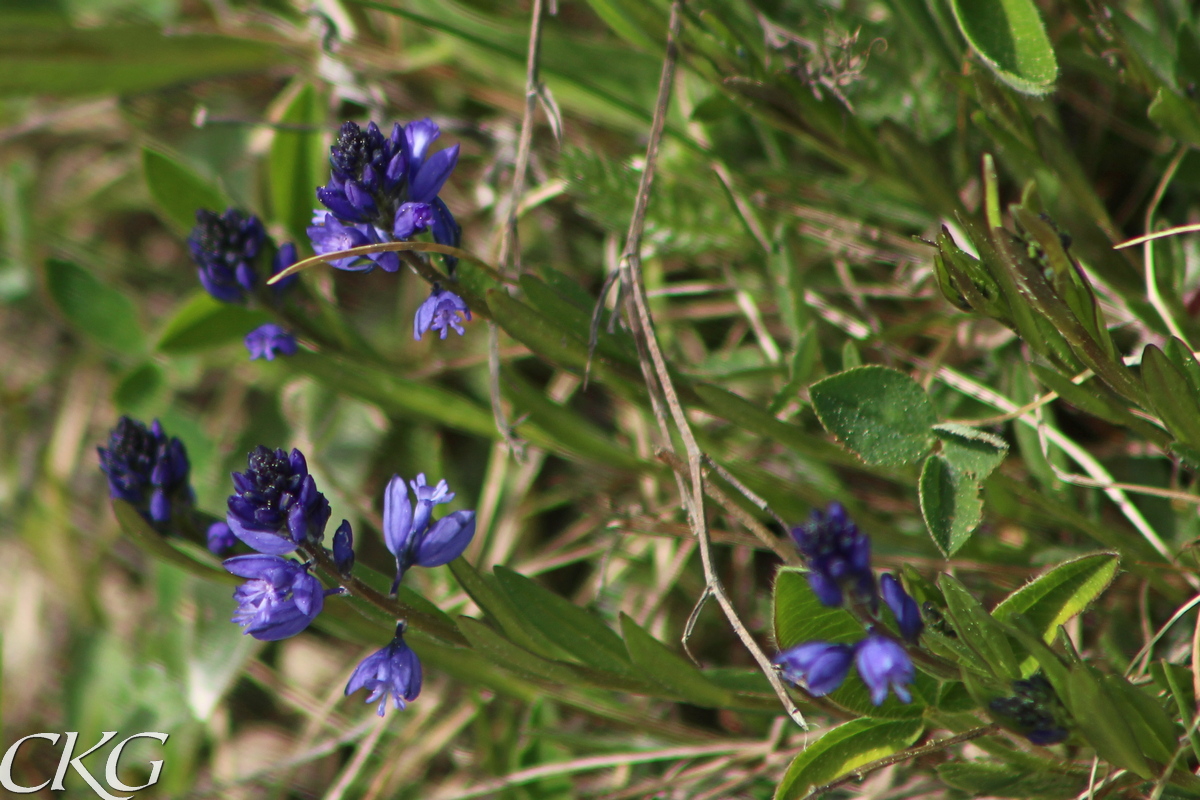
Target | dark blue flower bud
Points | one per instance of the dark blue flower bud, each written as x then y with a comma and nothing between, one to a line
270,340
883,664
276,505
220,538
819,667
838,555
908,616
285,256
147,469
441,311
343,549
394,671
225,248
280,598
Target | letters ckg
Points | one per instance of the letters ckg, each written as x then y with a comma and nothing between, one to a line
68,760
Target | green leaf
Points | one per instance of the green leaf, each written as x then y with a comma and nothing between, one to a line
842,749
879,413
574,629
971,450
630,19
660,665
1170,394
1053,598
978,629
159,546
991,779
1099,401
46,58
178,190
95,308
1176,115
950,504
1153,730
800,617
1101,720
1009,37
524,663
394,394
203,323
138,389
499,608
298,162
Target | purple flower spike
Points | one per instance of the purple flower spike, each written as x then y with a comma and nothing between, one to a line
394,671
883,663
280,598
838,555
384,189
820,667
441,311
407,532
908,616
270,340
276,506
225,248
146,468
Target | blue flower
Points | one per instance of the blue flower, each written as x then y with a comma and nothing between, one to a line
147,469
838,555
280,598
408,534
441,311
220,539
820,667
883,663
276,505
343,548
384,188
394,671
908,615
225,248
270,340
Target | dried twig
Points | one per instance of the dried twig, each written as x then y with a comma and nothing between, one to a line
658,378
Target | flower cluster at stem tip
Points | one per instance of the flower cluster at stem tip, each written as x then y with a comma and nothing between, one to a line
277,509
227,249
839,562
147,469
385,189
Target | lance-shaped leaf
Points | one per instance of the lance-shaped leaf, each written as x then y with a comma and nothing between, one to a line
100,311
842,749
660,665
1098,400
1171,396
978,629
1009,37
1053,598
178,190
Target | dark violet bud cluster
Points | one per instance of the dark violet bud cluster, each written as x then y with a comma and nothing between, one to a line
1032,711
147,469
441,311
268,341
384,189
227,249
839,562
838,556
276,506
407,530
393,672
